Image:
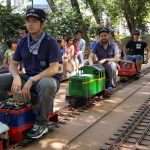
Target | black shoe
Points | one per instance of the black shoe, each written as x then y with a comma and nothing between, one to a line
37,131
108,92
138,75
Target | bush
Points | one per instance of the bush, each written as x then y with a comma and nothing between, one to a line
63,23
9,23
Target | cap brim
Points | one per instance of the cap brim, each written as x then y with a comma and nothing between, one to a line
104,32
33,15
136,34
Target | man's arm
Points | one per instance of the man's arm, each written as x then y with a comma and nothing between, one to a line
54,68
127,47
17,83
147,49
125,50
13,68
117,51
92,58
83,45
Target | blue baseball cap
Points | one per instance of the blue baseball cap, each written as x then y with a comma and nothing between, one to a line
37,13
104,30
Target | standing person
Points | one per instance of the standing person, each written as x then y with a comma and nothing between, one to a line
94,42
117,41
40,56
12,45
61,44
106,53
22,32
81,44
135,50
76,48
69,62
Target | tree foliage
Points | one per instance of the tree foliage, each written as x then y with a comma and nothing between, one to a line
63,23
9,22
67,16
97,7
76,9
52,5
134,11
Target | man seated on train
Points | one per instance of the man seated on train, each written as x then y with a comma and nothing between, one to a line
135,50
106,53
40,56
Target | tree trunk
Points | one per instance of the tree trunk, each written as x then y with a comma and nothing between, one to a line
8,3
129,16
75,6
52,5
130,23
95,11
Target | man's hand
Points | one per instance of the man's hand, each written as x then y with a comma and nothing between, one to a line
16,84
102,61
109,60
26,89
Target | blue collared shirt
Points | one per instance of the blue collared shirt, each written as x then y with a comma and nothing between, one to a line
110,52
34,64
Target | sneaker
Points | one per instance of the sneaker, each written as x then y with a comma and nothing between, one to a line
110,89
108,92
34,129
37,131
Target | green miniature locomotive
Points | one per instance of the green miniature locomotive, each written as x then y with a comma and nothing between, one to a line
87,83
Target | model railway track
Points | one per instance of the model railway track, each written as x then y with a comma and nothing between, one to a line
99,119
67,113
121,86
135,133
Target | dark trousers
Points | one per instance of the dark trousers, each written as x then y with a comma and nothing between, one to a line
111,74
43,93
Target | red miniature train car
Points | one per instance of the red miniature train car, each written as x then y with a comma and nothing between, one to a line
127,69
20,119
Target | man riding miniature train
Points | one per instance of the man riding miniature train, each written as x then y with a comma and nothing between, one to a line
106,52
40,56
135,50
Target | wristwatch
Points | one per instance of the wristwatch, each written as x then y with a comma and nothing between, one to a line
32,80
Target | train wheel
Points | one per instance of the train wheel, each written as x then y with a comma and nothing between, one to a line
137,76
123,79
77,102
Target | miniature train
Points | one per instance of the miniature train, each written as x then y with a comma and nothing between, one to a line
91,81
87,83
17,118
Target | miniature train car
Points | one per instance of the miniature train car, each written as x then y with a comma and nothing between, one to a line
127,69
19,119
89,82
4,137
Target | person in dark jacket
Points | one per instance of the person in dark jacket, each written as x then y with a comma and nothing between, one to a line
40,56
